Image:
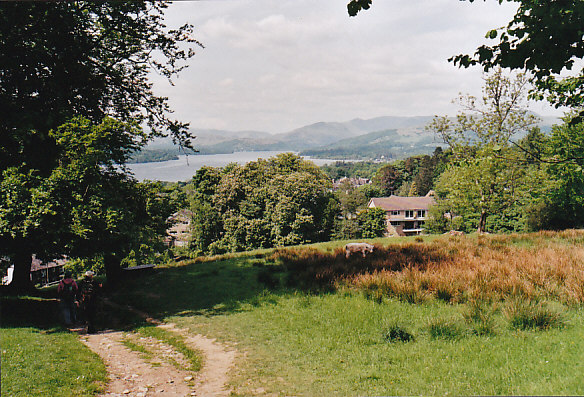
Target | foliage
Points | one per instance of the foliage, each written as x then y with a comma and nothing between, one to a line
566,153
372,222
398,177
68,67
356,169
544,38
86,205
389,178
281,201
488,176
83,58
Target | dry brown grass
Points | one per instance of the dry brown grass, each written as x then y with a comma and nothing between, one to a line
545,265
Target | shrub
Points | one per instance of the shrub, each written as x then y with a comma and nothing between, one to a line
523,314
397,333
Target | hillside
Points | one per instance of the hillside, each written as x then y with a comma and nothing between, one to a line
389,136
383,144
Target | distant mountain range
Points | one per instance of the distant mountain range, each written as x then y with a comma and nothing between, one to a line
382,137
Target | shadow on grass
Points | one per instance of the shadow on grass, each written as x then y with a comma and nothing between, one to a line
207,288
28,311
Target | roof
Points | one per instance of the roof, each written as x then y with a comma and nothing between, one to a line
37,264
393,203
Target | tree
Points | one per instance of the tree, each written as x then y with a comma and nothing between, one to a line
565,207
61,60
389,178
284,200
483,178
372,222
544,37
86,206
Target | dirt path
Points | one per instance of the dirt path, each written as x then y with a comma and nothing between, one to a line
213,377
133,374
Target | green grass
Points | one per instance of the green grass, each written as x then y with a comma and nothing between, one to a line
37,363
145,354
176,341
301,343
39,357
336,345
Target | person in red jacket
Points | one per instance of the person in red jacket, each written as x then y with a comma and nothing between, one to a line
67,292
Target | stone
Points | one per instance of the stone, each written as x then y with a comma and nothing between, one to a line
188,378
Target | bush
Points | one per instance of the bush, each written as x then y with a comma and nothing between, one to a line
396,333
523,314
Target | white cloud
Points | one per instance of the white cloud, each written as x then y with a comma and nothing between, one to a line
275,65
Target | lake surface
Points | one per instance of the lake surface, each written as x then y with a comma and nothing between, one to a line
185,167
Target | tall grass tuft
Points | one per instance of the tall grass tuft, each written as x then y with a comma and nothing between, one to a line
524,315
397,333
445,329
480,316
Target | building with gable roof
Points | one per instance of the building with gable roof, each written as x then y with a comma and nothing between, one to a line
405,216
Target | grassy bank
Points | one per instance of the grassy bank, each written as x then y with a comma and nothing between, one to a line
439,315
306,322
39,358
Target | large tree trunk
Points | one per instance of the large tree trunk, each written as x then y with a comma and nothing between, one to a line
482,222
21,282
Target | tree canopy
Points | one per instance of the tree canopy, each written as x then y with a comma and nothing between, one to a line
75,94
83,58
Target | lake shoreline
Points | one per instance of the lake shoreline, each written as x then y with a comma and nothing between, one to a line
183,168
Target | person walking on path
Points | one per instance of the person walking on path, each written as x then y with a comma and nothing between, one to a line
88,291
67,292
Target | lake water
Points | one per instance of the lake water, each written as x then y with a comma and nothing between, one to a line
185,167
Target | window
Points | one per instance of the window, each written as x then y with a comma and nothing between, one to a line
395,223
394,212
409,214
421,213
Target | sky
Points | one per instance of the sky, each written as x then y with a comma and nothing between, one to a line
276,65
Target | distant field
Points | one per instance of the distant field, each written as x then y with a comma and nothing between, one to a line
309,323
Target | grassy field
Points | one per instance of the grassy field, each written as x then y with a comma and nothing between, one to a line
439,315
39,358
309,323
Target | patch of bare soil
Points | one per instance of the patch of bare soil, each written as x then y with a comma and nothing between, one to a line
132,375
